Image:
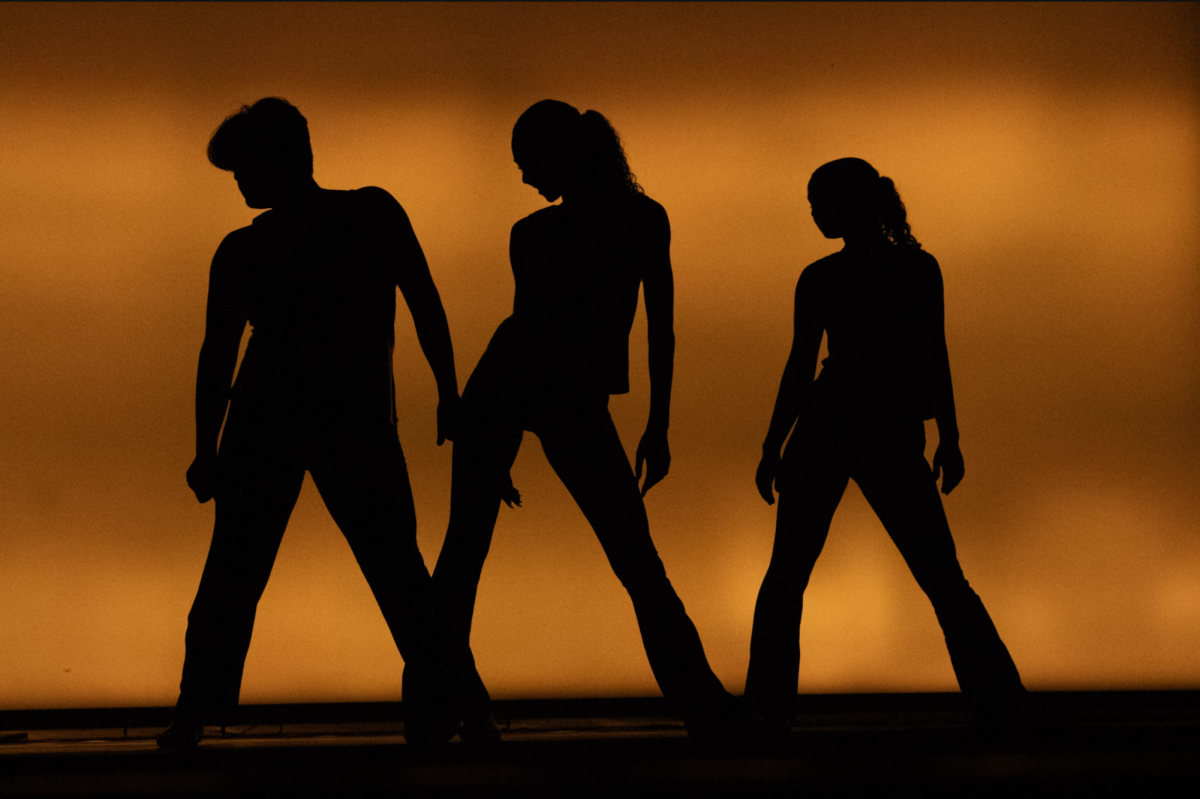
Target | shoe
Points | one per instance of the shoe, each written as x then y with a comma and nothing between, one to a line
427,705
182,735
728,719
768,727
1013,712
479,731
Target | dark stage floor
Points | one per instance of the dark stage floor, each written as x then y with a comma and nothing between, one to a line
1132,743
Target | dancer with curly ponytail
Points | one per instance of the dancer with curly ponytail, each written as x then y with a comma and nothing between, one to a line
879,300
550,368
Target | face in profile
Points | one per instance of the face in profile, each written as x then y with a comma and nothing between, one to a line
834,215
260,185
543,169
840,194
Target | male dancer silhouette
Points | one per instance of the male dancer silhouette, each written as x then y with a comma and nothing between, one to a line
315,276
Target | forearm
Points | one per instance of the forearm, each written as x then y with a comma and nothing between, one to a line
944,415
213,379
788,404
662,369
433,334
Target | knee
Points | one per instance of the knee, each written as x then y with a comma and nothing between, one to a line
644,579
948,588
787,577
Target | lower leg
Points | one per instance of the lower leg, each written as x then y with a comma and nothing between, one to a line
906,499
801,527
249,527
587,455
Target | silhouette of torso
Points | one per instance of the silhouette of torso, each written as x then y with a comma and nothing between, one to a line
577,275
319,286
881,311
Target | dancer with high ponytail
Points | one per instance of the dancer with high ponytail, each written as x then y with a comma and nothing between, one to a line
550,368
879,300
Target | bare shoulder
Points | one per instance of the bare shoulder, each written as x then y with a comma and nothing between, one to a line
378,202
236,247
924,261
925,267
650,215
818,272
527,228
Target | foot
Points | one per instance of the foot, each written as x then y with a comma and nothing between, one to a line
480,731
427,705
183,734
728,719
1013,712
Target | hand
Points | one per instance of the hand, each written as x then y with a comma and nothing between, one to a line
948,462
509,493
202,477
447,418
768,467
653,451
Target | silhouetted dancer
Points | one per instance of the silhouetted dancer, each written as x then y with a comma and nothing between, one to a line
550,368
879,300
316,278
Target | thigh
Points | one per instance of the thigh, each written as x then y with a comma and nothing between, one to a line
898,483
257,487
586,453
363,479
484,452
812,479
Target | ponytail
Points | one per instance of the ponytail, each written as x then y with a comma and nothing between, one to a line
893,216
603,154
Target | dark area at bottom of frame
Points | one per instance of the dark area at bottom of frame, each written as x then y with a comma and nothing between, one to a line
1130,742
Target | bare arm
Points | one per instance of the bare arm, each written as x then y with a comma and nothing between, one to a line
659,288
429,317
225,321
793,389
948,459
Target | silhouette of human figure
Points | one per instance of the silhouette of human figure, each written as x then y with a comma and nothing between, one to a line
550,368
879,301
316,277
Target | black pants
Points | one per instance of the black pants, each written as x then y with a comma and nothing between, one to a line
585,451
888,463
362,477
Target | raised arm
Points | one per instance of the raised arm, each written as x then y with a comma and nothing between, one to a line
659,288
429,317
225,321
793,387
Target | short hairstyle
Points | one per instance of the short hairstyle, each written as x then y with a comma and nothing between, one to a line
272,130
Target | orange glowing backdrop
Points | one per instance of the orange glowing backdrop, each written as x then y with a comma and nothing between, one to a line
1048,155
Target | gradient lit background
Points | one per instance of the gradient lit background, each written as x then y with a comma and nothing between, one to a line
1048,155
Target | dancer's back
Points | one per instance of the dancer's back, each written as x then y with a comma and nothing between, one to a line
882,312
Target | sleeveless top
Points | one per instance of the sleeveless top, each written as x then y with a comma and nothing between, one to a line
577,278
883,314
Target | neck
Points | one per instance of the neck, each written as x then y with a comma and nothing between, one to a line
860,242
299,194
586,196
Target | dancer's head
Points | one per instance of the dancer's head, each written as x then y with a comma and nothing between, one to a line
266,147
850,198
560,150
